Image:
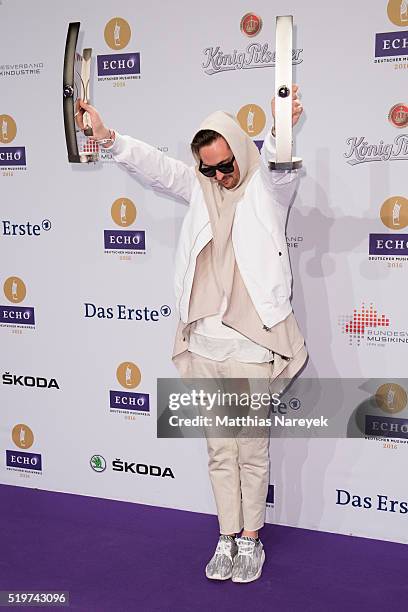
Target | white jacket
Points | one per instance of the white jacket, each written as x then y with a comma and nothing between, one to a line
258,233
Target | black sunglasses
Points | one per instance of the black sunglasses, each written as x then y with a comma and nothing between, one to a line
223,167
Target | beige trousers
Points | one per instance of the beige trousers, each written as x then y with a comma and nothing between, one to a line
238,466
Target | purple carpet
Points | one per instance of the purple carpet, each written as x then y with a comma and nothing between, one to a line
120,557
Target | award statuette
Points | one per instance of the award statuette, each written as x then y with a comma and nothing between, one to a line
76,83
283,97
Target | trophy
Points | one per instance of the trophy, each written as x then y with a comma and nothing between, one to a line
76,83
283,96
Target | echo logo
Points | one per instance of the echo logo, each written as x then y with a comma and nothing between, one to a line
117,33
15,291
128,376
123,213
391,398
394,215
22,461
397,11
252,119
8,129
22,436
10,156
394,212
117,36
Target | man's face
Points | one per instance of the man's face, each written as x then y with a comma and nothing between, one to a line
215,153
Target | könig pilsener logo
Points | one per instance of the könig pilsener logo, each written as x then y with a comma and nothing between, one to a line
251,24
398,115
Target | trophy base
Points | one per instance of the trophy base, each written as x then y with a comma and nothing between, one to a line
294,164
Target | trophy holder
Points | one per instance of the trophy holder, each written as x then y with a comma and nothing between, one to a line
76,85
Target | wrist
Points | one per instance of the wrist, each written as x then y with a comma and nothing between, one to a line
108,139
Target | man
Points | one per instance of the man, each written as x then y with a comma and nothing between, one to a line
233,288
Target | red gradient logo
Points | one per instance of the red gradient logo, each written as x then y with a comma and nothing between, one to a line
364,318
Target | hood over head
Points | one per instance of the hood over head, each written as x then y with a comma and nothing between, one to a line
244,149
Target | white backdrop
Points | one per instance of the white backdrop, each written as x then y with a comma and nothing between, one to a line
346,95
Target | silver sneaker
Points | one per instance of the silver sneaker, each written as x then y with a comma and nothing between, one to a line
220,565
249,560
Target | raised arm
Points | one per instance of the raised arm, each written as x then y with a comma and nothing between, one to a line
282,185
151,166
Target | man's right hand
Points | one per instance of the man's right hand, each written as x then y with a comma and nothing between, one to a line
98,128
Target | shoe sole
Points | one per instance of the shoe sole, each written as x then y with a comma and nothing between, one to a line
238,580
218,577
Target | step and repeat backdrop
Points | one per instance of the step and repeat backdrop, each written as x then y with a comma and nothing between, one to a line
87,312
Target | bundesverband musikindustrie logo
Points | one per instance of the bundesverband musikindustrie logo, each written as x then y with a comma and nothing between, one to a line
365,321
369,327
19,69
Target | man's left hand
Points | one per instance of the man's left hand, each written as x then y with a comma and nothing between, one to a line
297,108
